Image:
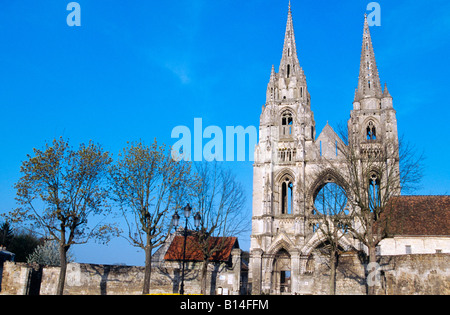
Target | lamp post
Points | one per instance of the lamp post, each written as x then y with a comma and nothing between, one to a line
176,220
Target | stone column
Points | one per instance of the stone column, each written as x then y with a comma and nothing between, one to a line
295,271
236,254
255,270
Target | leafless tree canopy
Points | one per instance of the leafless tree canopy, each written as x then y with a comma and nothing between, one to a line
220,200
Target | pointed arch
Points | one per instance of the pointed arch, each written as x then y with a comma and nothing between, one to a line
328,175
285,183
283,173
281,241
319,238
287,123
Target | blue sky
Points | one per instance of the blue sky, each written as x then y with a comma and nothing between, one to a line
136,69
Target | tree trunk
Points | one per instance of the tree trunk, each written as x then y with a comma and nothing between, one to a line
371,278
63,269
204,277
333,265
148,269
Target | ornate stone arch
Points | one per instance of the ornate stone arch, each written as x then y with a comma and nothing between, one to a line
281,241
317,239
278,254
285,172
326,176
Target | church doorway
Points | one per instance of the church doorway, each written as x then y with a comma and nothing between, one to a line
281,273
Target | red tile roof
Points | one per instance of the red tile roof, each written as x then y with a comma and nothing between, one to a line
193,250
418,215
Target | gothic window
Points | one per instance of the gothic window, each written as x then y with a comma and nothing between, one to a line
374,191
371,131
288,70
286,196
408,250
286,124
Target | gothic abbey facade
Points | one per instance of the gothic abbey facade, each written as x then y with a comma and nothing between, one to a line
289,168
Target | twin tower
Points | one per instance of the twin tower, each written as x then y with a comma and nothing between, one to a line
288,169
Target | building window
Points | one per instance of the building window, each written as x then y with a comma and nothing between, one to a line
286,196
374,192
286,124
408,249
371,131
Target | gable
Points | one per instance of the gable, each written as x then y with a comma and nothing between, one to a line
328,143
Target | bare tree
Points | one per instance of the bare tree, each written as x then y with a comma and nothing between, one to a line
374,173
332,213
220,199
59,191
148,184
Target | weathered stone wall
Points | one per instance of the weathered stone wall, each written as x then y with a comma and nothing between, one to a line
88,279
399,275
349,276
15,278
427,274
415,274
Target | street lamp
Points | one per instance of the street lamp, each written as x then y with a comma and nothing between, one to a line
175,221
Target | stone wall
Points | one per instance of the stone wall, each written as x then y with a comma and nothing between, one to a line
89,279
415,274
15,278
399,275
427,274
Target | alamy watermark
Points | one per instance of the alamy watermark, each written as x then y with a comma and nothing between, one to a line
213,149
74,17
374,274
374,17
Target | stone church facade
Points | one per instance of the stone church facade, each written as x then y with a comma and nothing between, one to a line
289,162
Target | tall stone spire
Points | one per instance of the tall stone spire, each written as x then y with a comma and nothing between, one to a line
369,85
289,64
289,84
